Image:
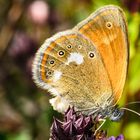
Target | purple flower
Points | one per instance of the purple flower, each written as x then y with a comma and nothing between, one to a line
120,137
78,127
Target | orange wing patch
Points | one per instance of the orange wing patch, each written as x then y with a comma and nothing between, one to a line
48,51
108,33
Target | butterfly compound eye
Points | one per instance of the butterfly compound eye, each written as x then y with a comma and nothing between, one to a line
109,25
116,114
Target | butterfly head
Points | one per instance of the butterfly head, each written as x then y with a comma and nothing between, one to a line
113,113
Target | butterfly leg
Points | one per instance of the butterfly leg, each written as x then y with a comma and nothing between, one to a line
104,120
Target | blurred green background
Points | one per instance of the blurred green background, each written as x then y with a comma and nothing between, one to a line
25,112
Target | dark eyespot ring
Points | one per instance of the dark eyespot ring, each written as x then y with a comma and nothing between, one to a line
109,25
91,55
61,53
69,46
51,61
49,73
80,46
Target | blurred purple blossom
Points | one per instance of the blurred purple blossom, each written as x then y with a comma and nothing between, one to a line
22,45
22,50
132,5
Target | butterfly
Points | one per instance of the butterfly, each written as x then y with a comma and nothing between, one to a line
86,66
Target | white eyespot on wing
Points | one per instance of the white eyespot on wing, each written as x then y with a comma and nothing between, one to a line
59,104
75,57
57,75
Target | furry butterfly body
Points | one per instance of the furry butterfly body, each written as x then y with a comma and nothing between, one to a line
86,66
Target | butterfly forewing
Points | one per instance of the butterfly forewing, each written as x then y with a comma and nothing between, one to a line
106,28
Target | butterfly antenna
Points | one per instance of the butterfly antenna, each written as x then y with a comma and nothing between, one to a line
136,102
130,110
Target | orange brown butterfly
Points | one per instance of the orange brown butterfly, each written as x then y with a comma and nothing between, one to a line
86,66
